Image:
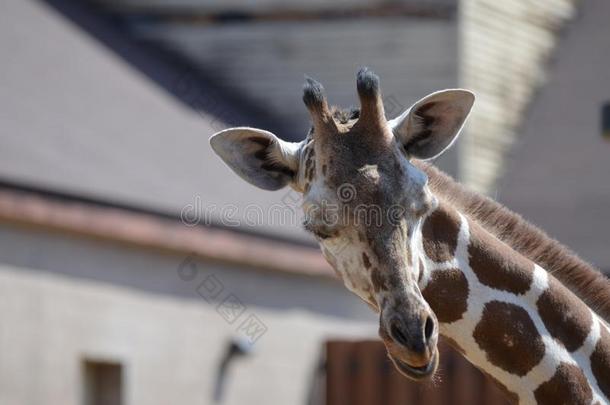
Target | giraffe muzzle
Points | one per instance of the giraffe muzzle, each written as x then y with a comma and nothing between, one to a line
411,341
417,373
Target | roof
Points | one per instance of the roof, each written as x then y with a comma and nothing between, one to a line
557,175
77,118
266,61
258,6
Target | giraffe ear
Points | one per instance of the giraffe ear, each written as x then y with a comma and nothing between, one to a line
433,123
257,156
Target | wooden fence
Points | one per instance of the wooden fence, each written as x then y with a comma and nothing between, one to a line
359,373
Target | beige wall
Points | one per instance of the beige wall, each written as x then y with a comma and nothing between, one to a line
169,347
505,49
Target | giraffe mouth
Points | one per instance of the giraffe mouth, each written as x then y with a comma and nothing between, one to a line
417,373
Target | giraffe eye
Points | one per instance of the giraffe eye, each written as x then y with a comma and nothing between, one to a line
319,232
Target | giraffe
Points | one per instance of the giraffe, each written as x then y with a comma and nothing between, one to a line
430,257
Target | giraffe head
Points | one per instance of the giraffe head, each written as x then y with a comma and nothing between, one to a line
363,199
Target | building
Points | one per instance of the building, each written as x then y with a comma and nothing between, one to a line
557,173
134,265
96,273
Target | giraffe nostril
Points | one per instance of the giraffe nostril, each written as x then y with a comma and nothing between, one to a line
428,328
397,334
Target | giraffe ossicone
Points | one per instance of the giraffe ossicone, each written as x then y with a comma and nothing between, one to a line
430,257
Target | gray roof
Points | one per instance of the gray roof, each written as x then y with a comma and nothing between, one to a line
266,61
198,6
78,118
558,174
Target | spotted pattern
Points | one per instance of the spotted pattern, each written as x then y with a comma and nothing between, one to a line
505,332
566,318
365,260
447,295
508,336
440,234
600,362
497,265
568,386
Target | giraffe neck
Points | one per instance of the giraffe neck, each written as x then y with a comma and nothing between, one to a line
509,317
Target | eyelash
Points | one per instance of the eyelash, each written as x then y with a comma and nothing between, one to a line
321,235
318,233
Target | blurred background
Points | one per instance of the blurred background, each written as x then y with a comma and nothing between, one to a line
135,268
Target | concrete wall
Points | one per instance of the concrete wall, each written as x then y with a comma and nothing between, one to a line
557,175
65,300
505,47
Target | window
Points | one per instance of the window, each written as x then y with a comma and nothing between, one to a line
606,120
103,383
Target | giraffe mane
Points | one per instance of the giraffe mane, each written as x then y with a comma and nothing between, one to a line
581,278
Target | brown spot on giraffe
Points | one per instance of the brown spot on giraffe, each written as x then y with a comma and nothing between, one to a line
365,260
567,387
600,362
379,280
370,142
508,336
440,234
447,294
587,283
564,315
497,265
